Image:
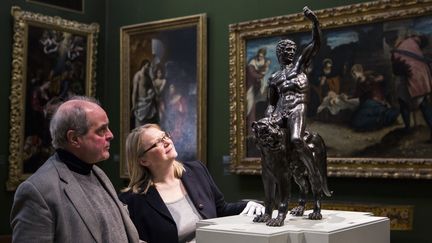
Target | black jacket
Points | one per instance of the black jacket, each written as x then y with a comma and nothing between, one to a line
152,218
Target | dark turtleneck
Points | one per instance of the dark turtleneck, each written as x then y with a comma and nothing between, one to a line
74,163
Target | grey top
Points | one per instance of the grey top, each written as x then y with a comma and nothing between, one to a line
185,216
108,215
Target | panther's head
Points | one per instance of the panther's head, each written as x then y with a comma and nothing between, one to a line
268,134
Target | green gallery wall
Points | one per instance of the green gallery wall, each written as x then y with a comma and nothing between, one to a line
112,14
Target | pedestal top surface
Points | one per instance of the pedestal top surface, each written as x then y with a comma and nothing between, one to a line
333,220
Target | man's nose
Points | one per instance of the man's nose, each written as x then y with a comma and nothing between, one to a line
109,135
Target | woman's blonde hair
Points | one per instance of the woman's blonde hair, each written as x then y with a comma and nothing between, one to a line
140,177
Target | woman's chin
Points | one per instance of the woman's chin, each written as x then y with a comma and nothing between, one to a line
175,154
172,153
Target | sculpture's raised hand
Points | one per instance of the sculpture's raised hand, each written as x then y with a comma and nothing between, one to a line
309,14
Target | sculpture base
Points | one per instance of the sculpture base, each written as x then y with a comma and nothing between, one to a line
335,227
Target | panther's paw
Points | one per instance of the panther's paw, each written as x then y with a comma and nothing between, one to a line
262,218
297,211
278,221
315,216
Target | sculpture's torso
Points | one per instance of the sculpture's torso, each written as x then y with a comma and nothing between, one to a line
291,91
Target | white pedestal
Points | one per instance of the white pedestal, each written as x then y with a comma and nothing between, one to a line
335,227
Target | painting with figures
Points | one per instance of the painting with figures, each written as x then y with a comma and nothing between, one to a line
369,88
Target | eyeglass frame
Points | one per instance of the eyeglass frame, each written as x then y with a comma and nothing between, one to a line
161,139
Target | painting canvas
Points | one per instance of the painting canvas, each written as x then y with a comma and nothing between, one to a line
373,118
56,69
70,5
54,59
163,81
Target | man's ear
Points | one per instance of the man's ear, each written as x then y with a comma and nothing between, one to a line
73,138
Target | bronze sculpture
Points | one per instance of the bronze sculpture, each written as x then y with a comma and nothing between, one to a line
287,149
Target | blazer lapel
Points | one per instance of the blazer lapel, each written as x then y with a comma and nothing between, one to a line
155,201
77,198
190,183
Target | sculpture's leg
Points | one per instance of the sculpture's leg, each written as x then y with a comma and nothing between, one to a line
297,130
269,193
317,191
306,156
299,209
316,214
301,181
284,192
320,159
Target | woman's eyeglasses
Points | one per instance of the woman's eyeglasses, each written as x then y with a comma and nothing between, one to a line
165,136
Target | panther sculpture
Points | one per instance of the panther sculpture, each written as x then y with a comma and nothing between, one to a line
280,164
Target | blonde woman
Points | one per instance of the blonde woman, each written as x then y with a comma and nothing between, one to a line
165,197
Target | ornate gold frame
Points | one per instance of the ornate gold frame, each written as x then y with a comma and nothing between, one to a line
22,21
198,21
370,12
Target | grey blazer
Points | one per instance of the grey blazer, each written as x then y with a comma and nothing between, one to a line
50,206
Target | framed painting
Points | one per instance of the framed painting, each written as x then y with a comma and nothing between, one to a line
69,5
52,59
369,87
163,81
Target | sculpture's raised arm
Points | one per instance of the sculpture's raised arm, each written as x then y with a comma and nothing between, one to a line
313,47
